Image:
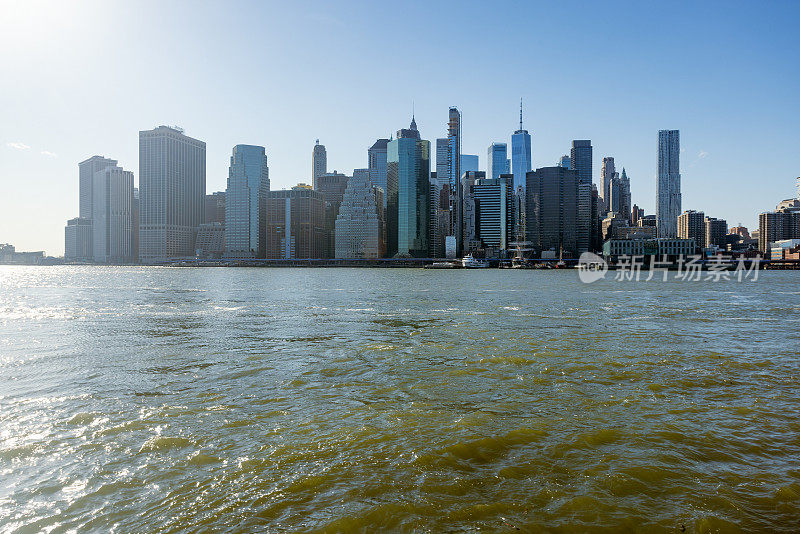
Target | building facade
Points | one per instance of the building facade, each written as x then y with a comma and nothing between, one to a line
714,231
295,224
607,173
214,209
172,189
360,230
493,200
376,162
112,216
245,202
497,162
668,187
331,186
78,240
408,183
552,210
691,225
520,154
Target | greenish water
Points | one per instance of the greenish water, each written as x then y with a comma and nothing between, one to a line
274,400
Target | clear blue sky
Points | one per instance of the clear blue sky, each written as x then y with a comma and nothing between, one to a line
82,78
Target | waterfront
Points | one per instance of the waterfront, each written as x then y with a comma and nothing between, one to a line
175,400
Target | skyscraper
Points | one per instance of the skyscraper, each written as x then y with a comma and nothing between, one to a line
691,225
520,154
454,175
86,171
581,160
497,161
295,224
331,186
469,162
376,156
552,211
606,178
668,187
408,184
245,197
625,195
360,224
112,216
493,199
214,210
319,163
172,188
564,161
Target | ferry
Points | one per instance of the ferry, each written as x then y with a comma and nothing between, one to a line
440,265
470,262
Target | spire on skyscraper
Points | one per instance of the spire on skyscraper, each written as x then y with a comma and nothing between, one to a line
413,122
520,113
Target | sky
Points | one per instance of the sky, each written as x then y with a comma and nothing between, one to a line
79,78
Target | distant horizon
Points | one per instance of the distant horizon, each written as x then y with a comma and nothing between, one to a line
285,75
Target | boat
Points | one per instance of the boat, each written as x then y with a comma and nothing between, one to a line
470,262
440,265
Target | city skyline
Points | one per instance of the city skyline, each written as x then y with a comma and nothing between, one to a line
723,148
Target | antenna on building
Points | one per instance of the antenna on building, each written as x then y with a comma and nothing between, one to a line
520,113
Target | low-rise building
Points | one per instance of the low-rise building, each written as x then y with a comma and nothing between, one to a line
671,247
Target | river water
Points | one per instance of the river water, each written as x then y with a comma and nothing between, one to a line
337,400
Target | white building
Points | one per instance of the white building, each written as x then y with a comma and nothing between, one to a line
172,189
360,223
78,239
112,216
668,190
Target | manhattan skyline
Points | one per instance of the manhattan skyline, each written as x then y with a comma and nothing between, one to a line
725,80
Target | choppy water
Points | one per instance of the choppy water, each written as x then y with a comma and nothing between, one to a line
270,400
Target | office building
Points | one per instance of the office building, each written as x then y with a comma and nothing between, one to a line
493,202
295,224
552,210
454,175
214,209
624,195
581,159
331,186
497,162
172,189
78,240
376,162
86,172
469,162
565,161
245,197
606,183
520,154
668,187
581,163
672,248
440,214
210,243
112,216
359,229
319,162
408,183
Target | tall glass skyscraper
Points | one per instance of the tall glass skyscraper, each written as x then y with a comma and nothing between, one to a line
581,160
172,190
454,176
668,187
245,197
606,177
376,162
520,154
408,184
497,162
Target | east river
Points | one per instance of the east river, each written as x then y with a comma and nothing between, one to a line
337,400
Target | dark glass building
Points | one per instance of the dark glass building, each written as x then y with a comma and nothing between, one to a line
408,187
552,210
295,224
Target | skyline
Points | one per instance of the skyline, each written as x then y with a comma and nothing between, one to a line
729,92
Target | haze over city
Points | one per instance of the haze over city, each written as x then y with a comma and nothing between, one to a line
83,78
